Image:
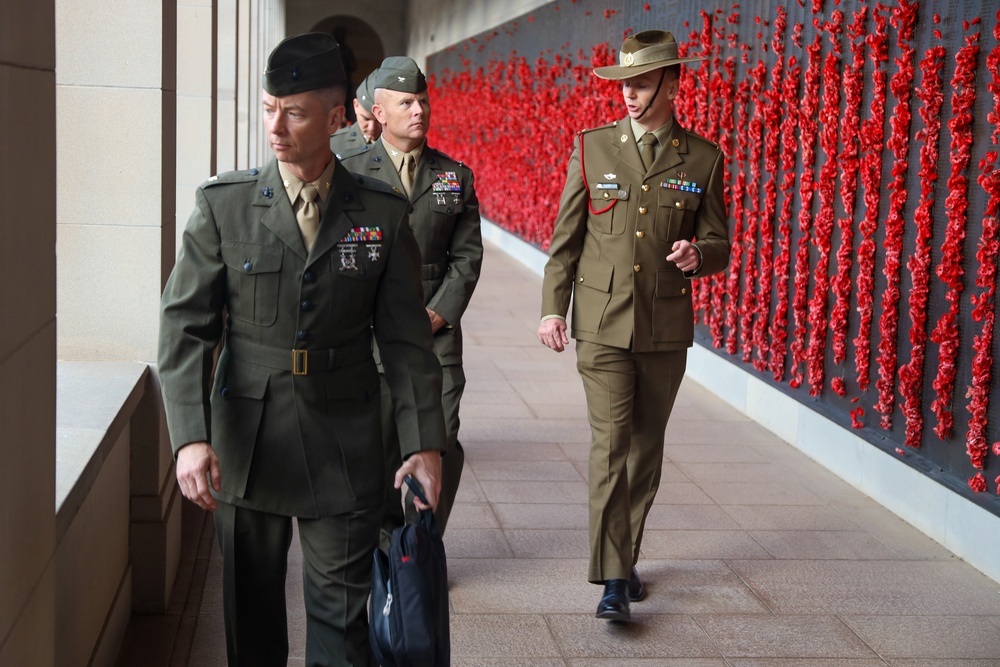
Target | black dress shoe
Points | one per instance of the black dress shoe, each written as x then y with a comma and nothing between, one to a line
614,604
636,591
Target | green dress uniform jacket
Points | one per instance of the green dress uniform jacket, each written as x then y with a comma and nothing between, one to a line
625,293
347,139
445,221
297,444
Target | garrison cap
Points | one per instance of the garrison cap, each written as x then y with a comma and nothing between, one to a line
644,52
365,95
399,73
302,63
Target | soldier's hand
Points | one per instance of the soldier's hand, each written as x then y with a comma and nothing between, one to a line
552,333
436,320
426,468
685,256
197,466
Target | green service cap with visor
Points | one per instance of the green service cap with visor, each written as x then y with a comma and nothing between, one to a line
644,52
399,73
302,63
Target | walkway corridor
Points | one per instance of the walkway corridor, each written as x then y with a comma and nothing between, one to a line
754,555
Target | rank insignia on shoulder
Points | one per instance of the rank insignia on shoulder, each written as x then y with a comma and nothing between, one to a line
676,184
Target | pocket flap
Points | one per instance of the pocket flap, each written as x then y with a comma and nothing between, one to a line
244,381
595,274
250,258
671,283
600,191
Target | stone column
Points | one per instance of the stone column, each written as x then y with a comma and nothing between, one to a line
116,132
28,334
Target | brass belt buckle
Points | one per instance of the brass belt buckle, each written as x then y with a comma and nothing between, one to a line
300,362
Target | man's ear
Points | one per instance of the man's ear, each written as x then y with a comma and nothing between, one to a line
337,117
378,113
673,88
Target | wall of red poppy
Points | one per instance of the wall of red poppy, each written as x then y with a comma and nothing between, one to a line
862,186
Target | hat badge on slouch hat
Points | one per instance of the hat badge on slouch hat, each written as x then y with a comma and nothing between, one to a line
302,63
644,52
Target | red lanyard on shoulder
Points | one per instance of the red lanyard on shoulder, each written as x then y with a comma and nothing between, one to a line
583,172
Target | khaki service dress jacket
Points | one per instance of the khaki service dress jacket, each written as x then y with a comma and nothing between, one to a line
297,444
612,259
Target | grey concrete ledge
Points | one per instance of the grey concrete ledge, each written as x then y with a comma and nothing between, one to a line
94,403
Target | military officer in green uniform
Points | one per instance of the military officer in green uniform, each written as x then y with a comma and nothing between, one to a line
444,216
642,212
290,268
366,130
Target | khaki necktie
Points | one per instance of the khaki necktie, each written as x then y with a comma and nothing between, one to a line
648,146
406,173
308,215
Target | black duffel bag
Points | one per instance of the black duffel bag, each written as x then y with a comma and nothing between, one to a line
408,611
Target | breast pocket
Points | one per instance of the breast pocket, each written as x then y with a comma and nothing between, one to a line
675,215
608,207
253,275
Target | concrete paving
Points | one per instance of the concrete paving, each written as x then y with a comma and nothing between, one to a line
754,555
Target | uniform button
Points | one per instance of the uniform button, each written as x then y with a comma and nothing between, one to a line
678,204
642,210
607,196
645,187
449,210
640,234
306,305
637,268
224,392
308,277
581,279
303,335
248,266
684,290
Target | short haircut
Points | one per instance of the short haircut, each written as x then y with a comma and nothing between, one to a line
332,96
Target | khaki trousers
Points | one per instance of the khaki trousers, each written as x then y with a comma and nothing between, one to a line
629,399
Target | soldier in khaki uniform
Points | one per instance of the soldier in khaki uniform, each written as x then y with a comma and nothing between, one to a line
642,212
292,267
366,131
444,216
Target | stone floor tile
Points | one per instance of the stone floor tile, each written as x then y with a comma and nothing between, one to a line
823,545
541,516
946,662
647,636
647,662
681,493
680,451
806,662
495,636
721,544
521,586
503,491
691,517
938,637
869,587
506,662
762,635
476,543
550,543
479,450
472,515
694,587
736,472
759,493
541,471
786,517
